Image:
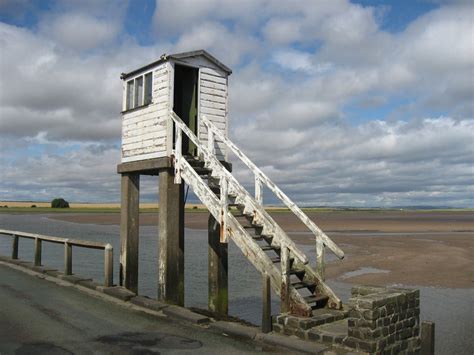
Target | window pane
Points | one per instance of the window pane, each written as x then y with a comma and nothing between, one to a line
129,95
148,89
138,91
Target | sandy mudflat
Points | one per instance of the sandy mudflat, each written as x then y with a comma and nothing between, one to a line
389,247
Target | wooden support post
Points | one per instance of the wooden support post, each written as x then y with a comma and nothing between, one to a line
218,270
67,258
427,338
320,258
108,266
285,280
129,229
14,247
171,240
266,304
37,252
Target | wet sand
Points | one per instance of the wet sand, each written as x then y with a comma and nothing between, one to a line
382,248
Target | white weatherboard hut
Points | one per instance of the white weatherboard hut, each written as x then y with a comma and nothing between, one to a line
171,109
191,84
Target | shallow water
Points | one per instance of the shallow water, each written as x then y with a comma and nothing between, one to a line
451,309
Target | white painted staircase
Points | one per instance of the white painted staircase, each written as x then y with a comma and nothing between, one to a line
243,219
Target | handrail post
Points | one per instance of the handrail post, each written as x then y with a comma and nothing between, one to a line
37,252
266,304
224,208
210,140
285,280
320,258
178,155
14,247
108,266
67,258
258,190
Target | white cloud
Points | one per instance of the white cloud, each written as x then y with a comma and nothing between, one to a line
80,31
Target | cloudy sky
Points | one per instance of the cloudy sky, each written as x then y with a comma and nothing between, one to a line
361,103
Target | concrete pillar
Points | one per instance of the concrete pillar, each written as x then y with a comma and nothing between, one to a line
129,229
218,270
171,240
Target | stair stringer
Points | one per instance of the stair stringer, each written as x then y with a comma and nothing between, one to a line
259,259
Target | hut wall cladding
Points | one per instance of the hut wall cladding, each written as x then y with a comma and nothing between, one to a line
213,104
144,130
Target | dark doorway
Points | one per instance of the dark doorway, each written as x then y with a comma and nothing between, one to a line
185,102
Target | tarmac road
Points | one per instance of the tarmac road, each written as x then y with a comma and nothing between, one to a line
41,317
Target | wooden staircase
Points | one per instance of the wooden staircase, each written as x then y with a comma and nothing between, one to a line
243,219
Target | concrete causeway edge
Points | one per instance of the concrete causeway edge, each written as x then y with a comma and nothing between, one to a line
125,298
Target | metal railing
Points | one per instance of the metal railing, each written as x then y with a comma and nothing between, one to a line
68,244
322,240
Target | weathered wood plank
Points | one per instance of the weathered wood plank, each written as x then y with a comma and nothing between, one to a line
171,240
213,85
210,91
129,231
213,105
213,98
266,304
218,298
213,78
211,111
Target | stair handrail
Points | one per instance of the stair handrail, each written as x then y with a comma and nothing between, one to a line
260,177
181,127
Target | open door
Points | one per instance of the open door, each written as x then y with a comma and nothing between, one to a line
185,102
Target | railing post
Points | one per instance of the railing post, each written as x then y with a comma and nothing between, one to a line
108,266
178,155
320,256
285,280
224,209
258,190
266,304
14,247
67,258
210,140
37,252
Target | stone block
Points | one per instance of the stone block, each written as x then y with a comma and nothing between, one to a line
292,322
367,345
371,315
73,278
88,284
314,335
149,303
118,292
328,338
278,328
300,333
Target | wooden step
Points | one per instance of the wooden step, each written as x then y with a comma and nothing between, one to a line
299,273
270,247
267,238
302,284
202,171
316,299
237,205
277,259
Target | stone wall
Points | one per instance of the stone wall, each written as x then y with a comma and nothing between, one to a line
384,320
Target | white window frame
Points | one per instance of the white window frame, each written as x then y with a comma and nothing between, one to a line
132,105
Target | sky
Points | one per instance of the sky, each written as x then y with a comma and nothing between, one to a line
364,103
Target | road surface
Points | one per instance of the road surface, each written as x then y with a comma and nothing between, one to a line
38,316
